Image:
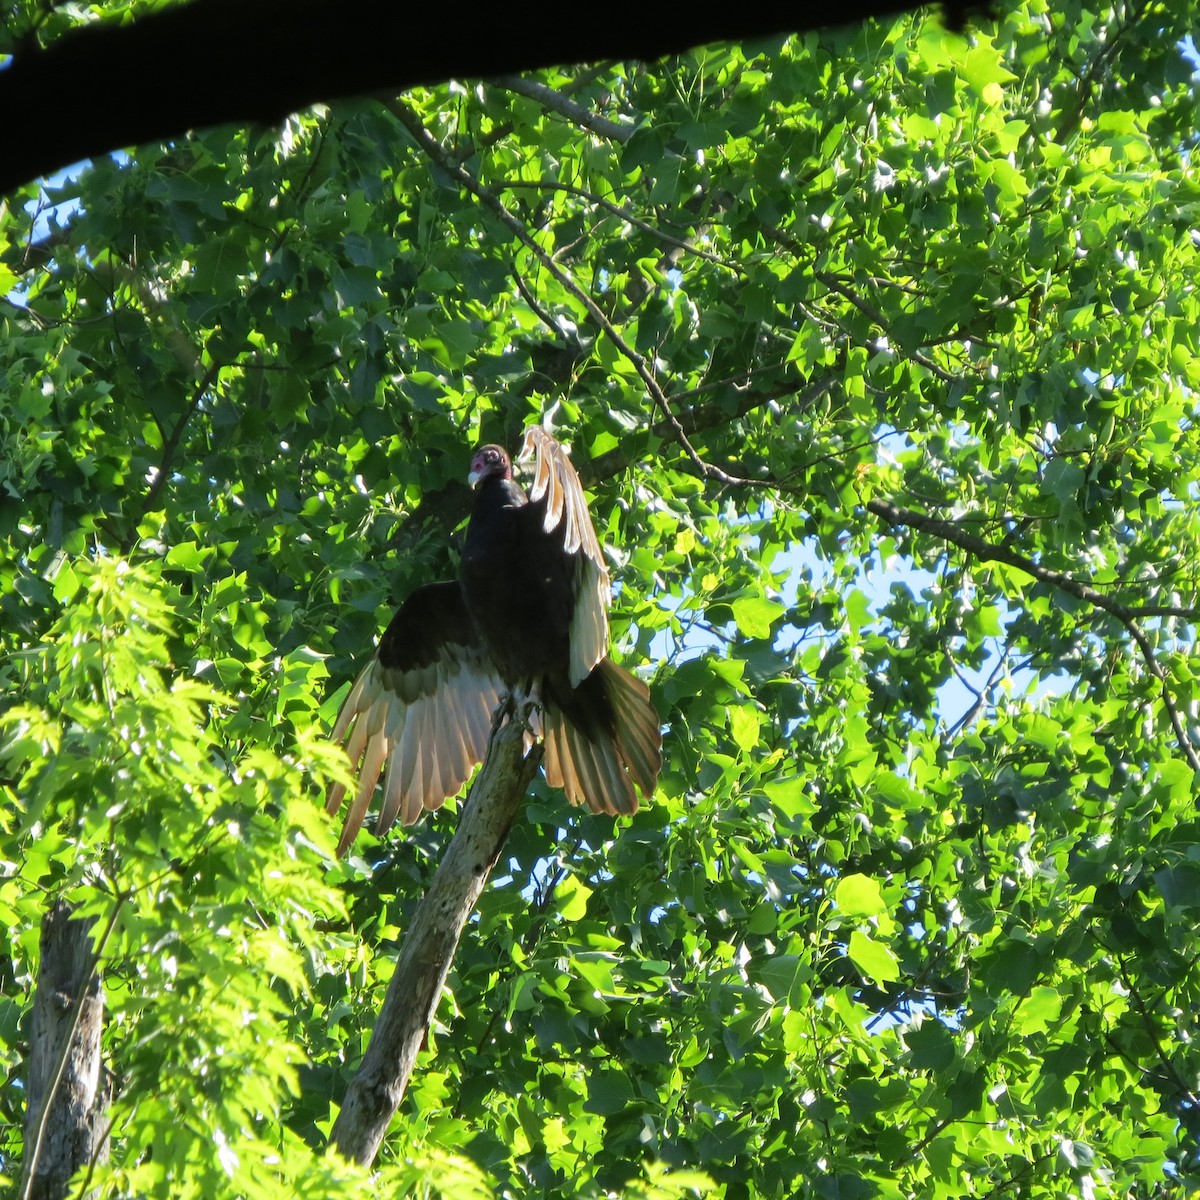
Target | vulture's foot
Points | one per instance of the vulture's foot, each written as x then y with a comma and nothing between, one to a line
516,705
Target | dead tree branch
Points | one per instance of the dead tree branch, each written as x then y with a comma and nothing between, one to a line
429,948
64,1117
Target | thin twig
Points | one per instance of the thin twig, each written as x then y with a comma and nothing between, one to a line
834,284
529,298
636,221
980,694
1153,1033
1095,69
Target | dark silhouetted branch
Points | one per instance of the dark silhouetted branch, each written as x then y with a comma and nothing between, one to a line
211,62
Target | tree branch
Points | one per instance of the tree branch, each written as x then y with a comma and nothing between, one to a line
988,552
64,1126
947,530
428,952
515,225
625,215
575,112
279,56
836,285
984,551
1096,67
170,448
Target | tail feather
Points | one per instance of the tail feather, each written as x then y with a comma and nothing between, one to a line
637,726
609,788
602,739
561,770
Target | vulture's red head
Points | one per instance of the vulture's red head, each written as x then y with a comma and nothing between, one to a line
489,461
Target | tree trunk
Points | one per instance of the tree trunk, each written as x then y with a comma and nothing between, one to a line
428,951
64,1116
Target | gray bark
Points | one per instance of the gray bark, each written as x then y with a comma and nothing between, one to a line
65,1108
428,951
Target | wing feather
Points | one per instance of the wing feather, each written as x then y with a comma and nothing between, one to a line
433,750
425,772
555,481
410,770
354,818
476,710
393,789
359,735
455,759
419,712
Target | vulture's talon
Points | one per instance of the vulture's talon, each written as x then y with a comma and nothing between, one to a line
504,710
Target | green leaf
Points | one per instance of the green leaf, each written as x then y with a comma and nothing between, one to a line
873,958
1040,1010
609,1091
754,615
744,724
572,897
788,796
931,1046
66,584
859,896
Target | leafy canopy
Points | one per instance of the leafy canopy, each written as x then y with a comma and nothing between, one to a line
876,349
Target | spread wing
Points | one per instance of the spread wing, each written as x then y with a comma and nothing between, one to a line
420,712
555,480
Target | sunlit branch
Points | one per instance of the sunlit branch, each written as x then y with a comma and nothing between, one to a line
575,112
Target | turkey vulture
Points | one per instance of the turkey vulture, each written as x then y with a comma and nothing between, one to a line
526,617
